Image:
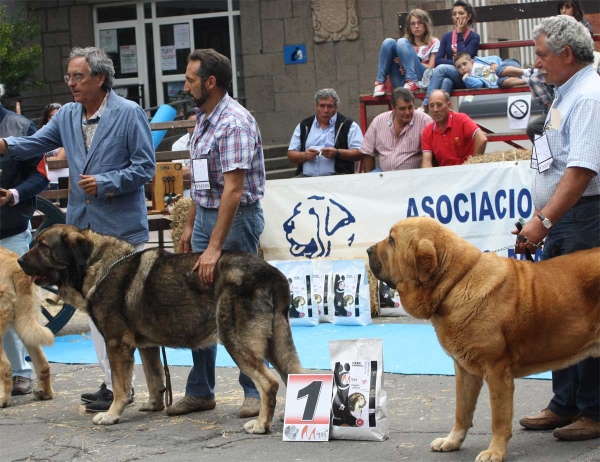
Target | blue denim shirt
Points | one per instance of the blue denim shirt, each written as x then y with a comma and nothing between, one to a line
121,158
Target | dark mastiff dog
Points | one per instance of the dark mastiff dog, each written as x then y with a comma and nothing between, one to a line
151,298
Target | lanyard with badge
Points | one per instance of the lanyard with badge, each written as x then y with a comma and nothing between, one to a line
541,157
199,167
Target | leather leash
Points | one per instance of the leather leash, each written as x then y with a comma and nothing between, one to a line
169,389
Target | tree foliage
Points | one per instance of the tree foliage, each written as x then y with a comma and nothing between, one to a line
19,59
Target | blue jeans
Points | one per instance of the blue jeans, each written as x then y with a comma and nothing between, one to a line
503,65
411,63
445,77
576,388
244,234
14,348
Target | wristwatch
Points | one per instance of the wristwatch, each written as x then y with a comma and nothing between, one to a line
545,221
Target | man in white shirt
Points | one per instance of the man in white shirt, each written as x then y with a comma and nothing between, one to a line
183,144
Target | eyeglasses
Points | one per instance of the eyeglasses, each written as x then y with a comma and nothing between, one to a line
53,106
77,77
416,23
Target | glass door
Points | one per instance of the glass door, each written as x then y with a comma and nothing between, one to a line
119,31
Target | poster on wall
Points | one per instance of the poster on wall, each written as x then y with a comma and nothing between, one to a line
128,58
168,58
182,36
108,41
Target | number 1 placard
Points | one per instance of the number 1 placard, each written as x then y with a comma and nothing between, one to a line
308,407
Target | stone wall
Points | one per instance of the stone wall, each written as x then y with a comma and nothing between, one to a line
64,24
281,95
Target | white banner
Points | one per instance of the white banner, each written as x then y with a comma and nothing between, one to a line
341,216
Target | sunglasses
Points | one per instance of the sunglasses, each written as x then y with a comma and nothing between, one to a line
53,106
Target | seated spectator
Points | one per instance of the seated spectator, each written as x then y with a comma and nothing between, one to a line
462,39
326,143
395,136
574,9
452,137
405,61
490,72
183,144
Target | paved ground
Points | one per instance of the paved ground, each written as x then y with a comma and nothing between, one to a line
420,409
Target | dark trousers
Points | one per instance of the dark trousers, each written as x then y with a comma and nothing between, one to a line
576,388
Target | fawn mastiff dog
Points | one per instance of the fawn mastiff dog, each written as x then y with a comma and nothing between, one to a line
498,318
151,298
19,305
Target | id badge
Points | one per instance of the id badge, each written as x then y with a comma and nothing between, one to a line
542,153
200,174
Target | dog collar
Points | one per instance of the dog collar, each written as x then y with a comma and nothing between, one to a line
110,268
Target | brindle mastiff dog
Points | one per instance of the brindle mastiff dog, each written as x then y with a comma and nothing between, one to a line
151,298
498,318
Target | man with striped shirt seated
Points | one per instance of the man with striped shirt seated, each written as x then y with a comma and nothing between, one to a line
395,136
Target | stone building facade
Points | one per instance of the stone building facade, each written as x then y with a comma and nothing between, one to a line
279,95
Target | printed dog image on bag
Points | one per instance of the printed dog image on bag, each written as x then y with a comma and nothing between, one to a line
340,286
296,308
341,379
388,297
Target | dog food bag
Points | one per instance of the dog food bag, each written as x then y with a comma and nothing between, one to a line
350,296
303,311
322,284
359,405
389,301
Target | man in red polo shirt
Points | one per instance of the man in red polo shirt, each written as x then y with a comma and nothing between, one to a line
452,137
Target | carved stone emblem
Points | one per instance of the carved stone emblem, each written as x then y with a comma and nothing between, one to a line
334,20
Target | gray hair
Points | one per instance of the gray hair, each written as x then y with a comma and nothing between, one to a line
99,62
401,93
562,31
2,90
327,93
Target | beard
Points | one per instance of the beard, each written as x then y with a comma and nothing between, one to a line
198,102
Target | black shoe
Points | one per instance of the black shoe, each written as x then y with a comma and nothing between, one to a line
21,385
104,401
93,397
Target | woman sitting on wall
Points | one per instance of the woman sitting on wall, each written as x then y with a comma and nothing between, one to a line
406,60
461,40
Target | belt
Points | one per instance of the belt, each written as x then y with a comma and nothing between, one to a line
588,199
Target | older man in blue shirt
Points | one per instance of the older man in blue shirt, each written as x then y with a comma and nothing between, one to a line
327,143
111,156
566,194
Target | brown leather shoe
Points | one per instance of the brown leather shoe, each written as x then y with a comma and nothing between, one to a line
21,386
250,408
546,420
190,404
583,428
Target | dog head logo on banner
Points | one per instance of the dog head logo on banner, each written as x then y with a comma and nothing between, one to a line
314,224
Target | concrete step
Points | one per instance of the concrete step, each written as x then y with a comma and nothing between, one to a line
281,173
276,163
275,150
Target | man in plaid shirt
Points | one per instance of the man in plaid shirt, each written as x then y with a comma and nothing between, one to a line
228,180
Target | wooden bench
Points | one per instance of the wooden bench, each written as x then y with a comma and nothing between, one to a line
485,14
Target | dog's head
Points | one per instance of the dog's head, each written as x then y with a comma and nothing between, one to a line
416,256
54,251
315,224
356,401
299,302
